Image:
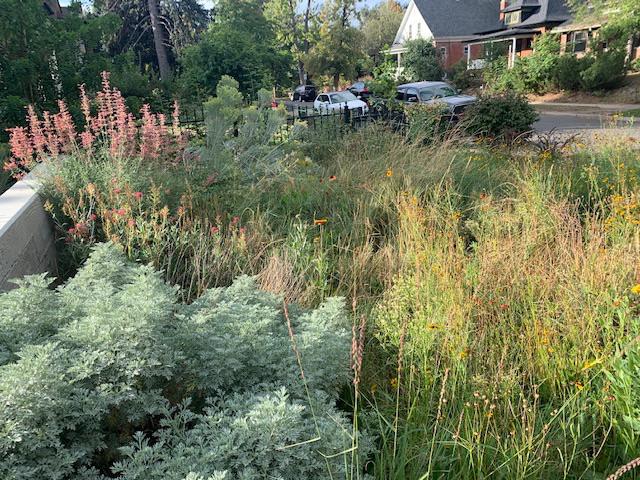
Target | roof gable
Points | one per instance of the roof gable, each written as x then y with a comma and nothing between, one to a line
459,18
409,28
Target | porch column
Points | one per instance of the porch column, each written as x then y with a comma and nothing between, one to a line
469,55
512,53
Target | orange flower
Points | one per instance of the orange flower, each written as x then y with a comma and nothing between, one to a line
389,172
320,221
332,178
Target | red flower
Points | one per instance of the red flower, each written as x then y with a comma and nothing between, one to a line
93,217
131,222
138,195
242,230
122,212
215,230
72,231
117,191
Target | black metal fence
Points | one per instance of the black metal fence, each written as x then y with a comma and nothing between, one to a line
344,119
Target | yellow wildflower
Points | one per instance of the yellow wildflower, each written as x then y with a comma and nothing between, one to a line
394,382
636,289
320,221
389,172
591,364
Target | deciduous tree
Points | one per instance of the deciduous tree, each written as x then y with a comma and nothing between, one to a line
338,50
379,28
292,21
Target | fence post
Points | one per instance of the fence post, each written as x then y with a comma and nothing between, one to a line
347,115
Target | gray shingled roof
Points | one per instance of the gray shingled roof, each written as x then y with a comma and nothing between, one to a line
460,18
551,11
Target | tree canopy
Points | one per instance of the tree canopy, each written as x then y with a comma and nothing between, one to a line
422,61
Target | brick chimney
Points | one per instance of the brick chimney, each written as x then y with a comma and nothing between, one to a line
503,5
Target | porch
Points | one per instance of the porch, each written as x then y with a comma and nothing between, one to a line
514,43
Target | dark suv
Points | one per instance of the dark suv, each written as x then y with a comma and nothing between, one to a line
304,93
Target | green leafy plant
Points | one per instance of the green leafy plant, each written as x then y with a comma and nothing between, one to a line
569,71
605,71
422,61
112,352
502,116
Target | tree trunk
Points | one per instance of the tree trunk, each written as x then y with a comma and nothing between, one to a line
158,40
336,81
305,42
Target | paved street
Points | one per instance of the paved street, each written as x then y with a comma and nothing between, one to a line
586,120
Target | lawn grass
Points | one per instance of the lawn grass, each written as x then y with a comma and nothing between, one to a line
632,113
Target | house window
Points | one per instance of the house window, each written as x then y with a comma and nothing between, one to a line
466,50
511,18
579,41
443,52
418,33
410,36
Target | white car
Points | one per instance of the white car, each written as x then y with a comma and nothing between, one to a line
334,102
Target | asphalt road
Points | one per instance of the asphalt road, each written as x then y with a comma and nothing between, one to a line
574,122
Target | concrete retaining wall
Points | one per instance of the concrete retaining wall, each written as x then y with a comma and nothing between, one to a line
26,233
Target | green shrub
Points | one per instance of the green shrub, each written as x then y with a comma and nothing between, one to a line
464,78
569,71
112,352
500,116
422,61
499,78
541,65
606,71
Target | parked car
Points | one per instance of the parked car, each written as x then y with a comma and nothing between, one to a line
332,102
435,92
360,90
304,93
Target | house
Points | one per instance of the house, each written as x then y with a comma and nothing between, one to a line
53,8
520,21
578,37
517,24
448,23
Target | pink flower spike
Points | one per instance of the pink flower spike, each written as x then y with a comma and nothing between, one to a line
138,195
215,230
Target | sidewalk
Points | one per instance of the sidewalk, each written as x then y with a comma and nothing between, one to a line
585,108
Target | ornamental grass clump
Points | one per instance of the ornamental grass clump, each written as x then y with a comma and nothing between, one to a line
108,376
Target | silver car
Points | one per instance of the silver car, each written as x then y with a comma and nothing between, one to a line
434,92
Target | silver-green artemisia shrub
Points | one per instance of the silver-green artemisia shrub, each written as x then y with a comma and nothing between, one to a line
215,386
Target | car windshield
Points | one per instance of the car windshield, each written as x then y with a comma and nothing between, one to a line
427,94
342,97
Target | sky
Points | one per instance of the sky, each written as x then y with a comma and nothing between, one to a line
208,3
